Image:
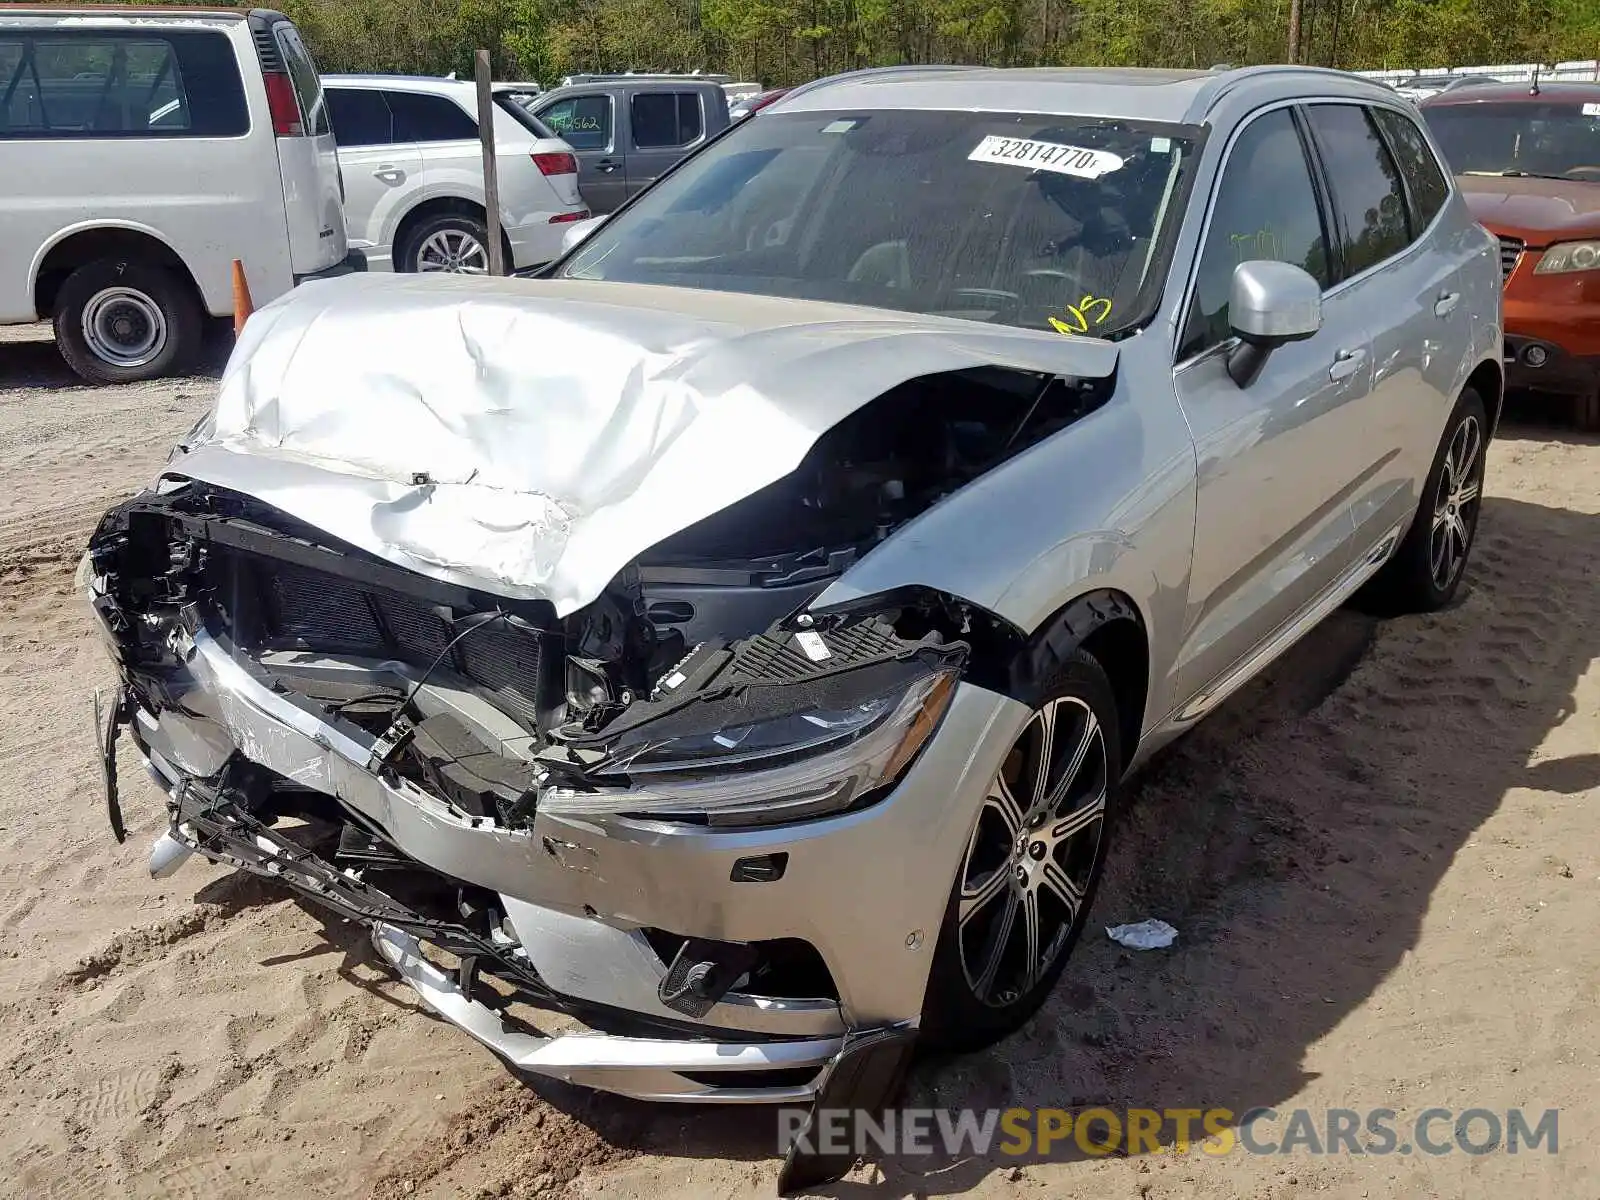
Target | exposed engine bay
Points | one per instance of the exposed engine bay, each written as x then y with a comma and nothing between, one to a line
441,762
483,700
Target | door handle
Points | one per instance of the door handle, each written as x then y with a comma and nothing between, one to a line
1446,303
1346,363
390,174
607,165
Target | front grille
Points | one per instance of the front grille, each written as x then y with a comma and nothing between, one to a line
1510,250
306,609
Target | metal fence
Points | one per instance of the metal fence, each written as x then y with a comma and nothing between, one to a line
1585,71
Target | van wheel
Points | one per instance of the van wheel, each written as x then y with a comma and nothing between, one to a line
450,243
1022,894
118,321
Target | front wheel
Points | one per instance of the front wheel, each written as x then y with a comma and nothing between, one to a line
1022,894
1428,566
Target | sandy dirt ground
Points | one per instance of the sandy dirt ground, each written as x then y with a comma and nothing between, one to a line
1383,860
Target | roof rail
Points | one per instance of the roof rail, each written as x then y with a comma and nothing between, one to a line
1225,82
871,72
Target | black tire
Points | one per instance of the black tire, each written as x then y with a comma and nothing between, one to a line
410,251
956,1017
1586,412
1413,581
128,303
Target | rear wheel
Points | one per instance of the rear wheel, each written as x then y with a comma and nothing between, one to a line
118,321
1022,894
450,243
1427,568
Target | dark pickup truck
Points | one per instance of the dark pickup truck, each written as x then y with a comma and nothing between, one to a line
626,133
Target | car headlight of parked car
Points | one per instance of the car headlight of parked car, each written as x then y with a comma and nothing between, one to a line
756,763
1566,257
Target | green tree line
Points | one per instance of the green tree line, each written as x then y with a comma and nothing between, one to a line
780,42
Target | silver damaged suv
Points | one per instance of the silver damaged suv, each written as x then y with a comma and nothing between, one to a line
711,666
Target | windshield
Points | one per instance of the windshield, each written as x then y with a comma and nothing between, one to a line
1045,222
1558,140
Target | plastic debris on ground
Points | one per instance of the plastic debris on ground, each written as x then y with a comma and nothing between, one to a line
1143,935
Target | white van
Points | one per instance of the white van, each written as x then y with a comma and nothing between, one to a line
141,152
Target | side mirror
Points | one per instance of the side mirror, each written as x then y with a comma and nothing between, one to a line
1271,303
578,232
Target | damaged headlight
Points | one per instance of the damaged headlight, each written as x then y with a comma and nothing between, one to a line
784,767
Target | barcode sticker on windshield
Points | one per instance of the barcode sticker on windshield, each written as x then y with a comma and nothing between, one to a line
1591,110
1046,156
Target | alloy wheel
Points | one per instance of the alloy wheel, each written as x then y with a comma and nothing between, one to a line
455,251
1032,853
1455,505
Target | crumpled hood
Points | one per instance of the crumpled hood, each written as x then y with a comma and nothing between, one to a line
530,438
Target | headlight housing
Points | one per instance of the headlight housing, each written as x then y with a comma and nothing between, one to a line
778,767
1566,257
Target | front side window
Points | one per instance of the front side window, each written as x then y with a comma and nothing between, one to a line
360,117
421,118
583,122
1040,221
1368,197
1552,139
111,85
664,120
1424,177
1252,220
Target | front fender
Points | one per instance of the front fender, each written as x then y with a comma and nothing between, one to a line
1107,503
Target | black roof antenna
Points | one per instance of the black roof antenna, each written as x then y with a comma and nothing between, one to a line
1533,90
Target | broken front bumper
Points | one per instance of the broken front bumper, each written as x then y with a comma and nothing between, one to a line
867,889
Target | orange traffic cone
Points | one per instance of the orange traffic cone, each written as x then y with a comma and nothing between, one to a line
243,306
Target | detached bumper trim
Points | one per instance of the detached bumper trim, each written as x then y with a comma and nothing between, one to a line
643,1068
640,1068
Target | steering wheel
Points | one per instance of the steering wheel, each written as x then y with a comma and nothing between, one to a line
1008,303
1073,283
1584,173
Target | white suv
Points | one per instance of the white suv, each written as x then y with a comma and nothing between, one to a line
413,166
141,152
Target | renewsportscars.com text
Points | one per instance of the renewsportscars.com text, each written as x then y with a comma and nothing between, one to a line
1042,1132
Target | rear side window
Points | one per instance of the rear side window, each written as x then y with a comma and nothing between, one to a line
360,117
421,118
1250,221
584,122
307,83
1423,175
510,104
98,84
1367,193
663,120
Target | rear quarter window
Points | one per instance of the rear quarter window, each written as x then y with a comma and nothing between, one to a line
94,84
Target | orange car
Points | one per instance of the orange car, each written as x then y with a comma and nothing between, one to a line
1527,158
